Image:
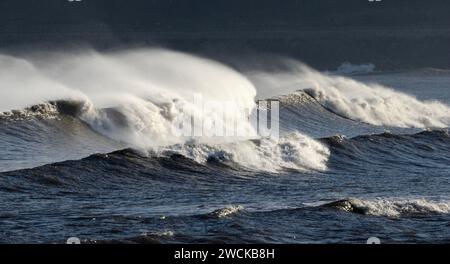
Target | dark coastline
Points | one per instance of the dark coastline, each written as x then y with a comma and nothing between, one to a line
391,34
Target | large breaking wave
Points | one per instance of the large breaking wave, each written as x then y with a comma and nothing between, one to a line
135,97
94,129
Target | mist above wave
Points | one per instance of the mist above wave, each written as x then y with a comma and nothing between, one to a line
132,96
392,207
370,103
136,97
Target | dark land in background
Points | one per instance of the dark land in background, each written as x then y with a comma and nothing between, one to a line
392,34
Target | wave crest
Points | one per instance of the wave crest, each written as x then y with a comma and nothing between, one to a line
44,111
131,96
391,207
227,211
369,103
352,69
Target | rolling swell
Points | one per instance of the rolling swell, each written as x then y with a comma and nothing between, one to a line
139,105
231,228
428,147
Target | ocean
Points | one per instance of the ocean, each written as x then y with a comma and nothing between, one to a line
87,152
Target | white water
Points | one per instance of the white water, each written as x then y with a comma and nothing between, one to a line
227,211
371,103
137,96
401,207
293,151
347,68
22,84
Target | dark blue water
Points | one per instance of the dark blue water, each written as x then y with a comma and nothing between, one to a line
387,182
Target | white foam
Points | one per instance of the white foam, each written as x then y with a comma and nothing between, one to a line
293,151
137,96
45,110
351,69
228,211
165,233
400,207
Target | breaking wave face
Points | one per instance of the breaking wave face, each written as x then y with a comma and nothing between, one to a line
370,103
137,97
292,151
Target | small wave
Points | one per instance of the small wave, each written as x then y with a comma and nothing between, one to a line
293,151
142,239
426,148
438,133
227,211
391,207
298,97
47,110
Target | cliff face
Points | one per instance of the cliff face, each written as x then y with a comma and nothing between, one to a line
324,33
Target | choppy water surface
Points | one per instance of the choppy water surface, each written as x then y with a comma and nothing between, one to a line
359,156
